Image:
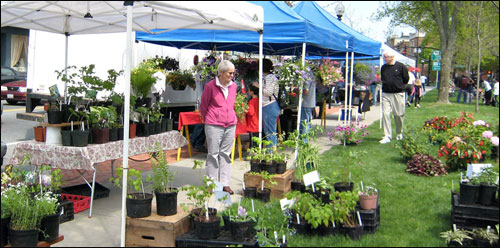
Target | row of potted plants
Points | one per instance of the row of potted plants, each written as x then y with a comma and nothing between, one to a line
30,205
481,237
480,189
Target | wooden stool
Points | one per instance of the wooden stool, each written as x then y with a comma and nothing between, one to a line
189,142
238,138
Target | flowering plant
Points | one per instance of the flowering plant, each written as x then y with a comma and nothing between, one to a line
160,63
292,74
180,79
243,215
330,72
245,69
207,68
352,134
369,190
240,106
457,153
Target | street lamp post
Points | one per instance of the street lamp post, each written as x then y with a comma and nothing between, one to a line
340,9
417,51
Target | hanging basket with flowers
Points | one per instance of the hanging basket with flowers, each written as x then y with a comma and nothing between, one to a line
180,79
330,72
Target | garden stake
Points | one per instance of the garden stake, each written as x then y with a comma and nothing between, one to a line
333,223
82,126
298,219
350,176
454,227
314,190
362,186
461,178
142,186
284,238
206,208
276,236
148,118
239,203
170,113
253,210
359,218
262,185
243,185
40,178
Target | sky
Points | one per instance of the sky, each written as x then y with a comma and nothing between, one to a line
359,12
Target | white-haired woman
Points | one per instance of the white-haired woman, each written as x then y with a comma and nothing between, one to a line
217,112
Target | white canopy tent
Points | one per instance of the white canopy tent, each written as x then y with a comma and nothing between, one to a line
93,17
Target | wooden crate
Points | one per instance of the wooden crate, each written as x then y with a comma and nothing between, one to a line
156,230
284,182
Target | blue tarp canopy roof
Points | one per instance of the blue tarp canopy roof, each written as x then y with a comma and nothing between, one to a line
361,44
284,33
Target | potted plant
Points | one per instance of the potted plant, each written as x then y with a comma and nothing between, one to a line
155,117
49,224
100,118
141,80
242,224
55,114
484,237
144,127
263,193
138,204
469,190
368,197
488,186
303,202
205,220
344,206
257,154
349,161
40,131
180,79
457,237
349,135
80,136
166,195
5,212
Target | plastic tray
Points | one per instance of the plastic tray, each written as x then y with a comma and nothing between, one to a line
84,189
80,202
67,211
189,239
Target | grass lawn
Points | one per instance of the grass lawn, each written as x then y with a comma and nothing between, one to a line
413,209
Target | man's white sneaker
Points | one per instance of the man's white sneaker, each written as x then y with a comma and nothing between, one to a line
399,137
385,140
418,105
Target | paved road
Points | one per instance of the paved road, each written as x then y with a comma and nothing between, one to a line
13,129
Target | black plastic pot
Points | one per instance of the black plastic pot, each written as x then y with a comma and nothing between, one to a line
55,116
255,166
147,101
270,168
302,228
91,138
250,192
280,167
5,224
80,138
242,230
66,137
49,229
341,187
469,193
227,223
157,127
23,238
163,125
67,116
120,133
139,206
139,102
487,194
100,135
355,232
151,128
326,230
196,212
325,196
207,229
170,125
113,134
264,195
298,186
142,130
166,203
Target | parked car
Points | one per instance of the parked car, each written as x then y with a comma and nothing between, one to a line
10,75
14,92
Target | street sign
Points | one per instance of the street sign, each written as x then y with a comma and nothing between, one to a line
436,65
436,55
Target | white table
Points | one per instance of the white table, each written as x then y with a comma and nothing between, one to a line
84,158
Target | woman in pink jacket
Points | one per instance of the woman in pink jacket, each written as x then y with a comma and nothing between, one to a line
217,112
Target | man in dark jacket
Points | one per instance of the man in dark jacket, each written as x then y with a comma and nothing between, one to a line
394,80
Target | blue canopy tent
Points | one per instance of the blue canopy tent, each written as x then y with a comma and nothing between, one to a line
362,46
285,33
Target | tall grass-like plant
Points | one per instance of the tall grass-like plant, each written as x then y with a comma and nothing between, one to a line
27,214
162,177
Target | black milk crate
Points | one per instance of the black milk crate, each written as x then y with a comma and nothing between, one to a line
370,229
189,239
370,217
470,222
473,210
67,211
84,189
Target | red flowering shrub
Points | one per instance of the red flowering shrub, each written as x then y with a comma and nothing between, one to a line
457,153
425,165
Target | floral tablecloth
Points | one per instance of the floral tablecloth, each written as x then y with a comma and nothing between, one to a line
84,158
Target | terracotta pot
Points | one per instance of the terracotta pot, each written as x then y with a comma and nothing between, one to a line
40,133
368,202
132,130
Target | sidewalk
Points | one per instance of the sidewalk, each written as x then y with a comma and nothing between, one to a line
104,228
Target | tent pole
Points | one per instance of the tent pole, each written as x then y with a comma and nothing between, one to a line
346,80
350,87
380,93
261,66
66,67
126,123
299,107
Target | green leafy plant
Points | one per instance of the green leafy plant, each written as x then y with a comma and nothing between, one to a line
485,234
343,206
242,215
162,177
180,79
369,190
307,152
142,79
143,114
241,106
311,209
198,195
413,142
459,236
103,117
134,182
155,113
488,176
162,63
349,162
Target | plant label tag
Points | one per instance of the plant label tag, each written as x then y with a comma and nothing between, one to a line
285,203
454,227
276,236
311,177
298,219
362,186
284,238
253,208
223,197
71,126
359,218
333,223
473,170
262,185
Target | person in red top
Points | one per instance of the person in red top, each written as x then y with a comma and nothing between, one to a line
253,113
